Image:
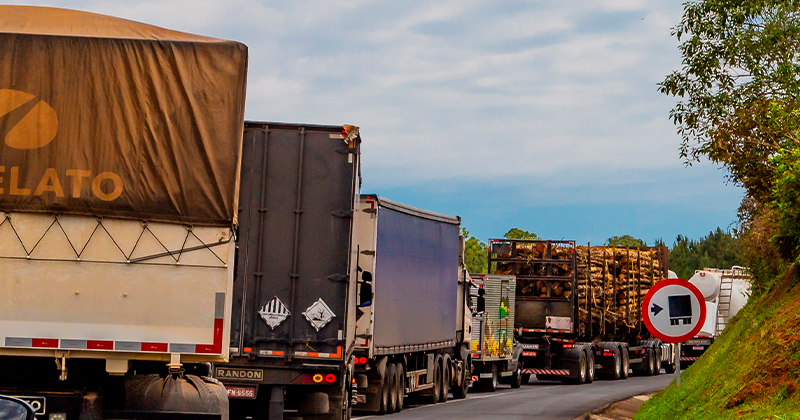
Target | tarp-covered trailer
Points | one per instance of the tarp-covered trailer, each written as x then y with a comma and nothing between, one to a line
120,145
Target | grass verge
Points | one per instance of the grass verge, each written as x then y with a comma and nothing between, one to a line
752,370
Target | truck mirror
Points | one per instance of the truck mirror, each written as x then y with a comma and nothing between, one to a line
365,289
481,300
15,409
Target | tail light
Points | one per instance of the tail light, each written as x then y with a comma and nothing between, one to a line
361,360
568,346
315,378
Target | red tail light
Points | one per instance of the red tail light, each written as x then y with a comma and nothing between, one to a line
567,346
315,378
361,360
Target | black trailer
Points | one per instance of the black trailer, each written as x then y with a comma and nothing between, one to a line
294,289
557,344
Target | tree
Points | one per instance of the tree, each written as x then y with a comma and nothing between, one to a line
516,233
719,249
739,86
626,240
476,253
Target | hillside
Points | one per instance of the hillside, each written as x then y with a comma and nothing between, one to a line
751,372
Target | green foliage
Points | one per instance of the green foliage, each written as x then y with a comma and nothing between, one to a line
625,240
516,233
739,86
786,203
717,250
476,253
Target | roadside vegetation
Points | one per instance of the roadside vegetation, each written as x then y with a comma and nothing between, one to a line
739,106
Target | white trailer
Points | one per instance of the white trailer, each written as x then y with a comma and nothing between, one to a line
118,186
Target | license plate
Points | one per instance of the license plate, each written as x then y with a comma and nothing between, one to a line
248,392
529,353
699,341
698,348
38,404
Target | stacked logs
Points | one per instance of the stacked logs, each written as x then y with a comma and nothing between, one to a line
611,281
528,257
611,284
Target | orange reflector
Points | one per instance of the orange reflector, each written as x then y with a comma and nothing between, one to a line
248,349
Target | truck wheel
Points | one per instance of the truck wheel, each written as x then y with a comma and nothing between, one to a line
436,391
401,387
391,374
460,391
669,368
526,378
616,372
651,362
625,364
581,379
491,386
446,378
516,377
590,367
658,360
384,393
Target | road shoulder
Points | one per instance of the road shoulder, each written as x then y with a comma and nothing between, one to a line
620,410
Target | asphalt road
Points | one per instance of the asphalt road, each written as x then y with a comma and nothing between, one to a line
539,400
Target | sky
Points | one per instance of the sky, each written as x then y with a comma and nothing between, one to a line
541,115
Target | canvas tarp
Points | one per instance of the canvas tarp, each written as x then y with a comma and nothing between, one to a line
108,117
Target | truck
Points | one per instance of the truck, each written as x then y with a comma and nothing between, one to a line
571,331
726,291
413,327
495,354
118,208
293,315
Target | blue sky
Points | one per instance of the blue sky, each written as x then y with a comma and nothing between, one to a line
542,115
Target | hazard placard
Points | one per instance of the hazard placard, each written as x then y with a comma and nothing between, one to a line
674,310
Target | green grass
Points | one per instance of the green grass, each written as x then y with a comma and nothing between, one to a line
751,372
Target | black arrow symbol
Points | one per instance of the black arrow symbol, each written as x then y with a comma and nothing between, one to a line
655,309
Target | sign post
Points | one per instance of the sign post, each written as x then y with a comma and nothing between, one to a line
673,311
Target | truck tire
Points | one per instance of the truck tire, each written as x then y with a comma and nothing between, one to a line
625,363
460,392
616,370
391,374
383,393
658,360
590,366
651,362
516,377
581,379
491,385
401,387
436,391
669,368
446,378
526,378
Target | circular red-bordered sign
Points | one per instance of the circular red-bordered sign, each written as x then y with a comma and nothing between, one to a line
674,310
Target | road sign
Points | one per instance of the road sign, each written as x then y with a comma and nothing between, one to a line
674,310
